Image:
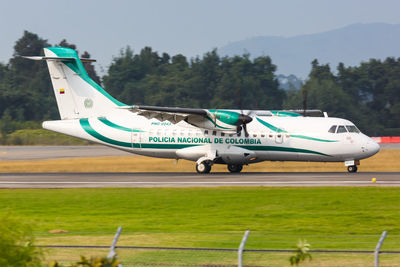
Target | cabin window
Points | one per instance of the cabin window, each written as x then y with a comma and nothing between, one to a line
263,135
159,132
341,129
270,136
222,134
198,133
214,133
352,129
206,132
332,129
230,135
135,134
182,133
254,135
174,132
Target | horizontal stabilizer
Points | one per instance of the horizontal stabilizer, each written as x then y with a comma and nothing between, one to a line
59,58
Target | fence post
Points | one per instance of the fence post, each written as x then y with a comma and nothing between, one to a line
241,247
378,248
112,252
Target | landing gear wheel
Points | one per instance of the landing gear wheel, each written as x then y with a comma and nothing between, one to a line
352,168
203,167
235,167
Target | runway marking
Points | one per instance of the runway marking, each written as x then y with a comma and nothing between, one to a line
214,182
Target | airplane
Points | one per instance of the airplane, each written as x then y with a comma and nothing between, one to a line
205,136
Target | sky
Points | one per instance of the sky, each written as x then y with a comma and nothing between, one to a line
188,27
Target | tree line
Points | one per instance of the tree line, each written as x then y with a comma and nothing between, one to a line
367,94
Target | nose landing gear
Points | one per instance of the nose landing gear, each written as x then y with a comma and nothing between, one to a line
352,165
352,168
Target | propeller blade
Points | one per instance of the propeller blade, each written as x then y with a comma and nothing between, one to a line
239,130
245,130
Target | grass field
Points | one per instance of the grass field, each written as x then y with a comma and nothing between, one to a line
329,218
385,160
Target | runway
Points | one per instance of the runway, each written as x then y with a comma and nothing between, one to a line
99,180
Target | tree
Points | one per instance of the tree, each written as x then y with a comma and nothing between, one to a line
25,87
31,94
90,68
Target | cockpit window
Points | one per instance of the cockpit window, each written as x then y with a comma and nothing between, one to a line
352,129
332,129
341,129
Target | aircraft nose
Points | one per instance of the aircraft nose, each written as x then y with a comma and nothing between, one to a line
372,147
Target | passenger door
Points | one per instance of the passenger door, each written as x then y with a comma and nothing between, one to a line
136,140
279,137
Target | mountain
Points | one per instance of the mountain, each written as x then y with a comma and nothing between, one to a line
288,82
350,45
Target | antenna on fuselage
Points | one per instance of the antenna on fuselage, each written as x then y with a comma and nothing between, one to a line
305,93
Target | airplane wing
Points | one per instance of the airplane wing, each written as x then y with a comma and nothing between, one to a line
220,120
173,115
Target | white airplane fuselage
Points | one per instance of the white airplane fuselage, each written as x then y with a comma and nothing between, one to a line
297,138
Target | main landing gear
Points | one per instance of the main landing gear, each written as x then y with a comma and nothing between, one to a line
235,168
352,168
203,167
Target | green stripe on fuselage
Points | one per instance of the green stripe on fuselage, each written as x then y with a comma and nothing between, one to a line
312,138
279,130
88,128
282,149
116,126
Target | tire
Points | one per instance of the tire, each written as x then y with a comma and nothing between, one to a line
234,168
352,168
203,167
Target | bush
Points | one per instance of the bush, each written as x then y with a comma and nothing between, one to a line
16,244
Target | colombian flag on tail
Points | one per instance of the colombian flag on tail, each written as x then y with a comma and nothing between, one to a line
62,91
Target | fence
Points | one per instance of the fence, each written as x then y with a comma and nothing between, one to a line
361,252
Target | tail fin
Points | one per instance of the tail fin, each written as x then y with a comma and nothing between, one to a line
77,95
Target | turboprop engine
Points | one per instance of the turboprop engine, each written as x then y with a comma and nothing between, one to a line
222,120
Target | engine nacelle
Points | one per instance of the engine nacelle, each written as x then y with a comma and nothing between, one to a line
220,120
236,155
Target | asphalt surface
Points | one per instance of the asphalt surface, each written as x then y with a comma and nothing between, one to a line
98,180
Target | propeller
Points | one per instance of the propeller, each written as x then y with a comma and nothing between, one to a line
243,120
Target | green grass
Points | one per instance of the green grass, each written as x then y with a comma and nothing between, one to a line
330,218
